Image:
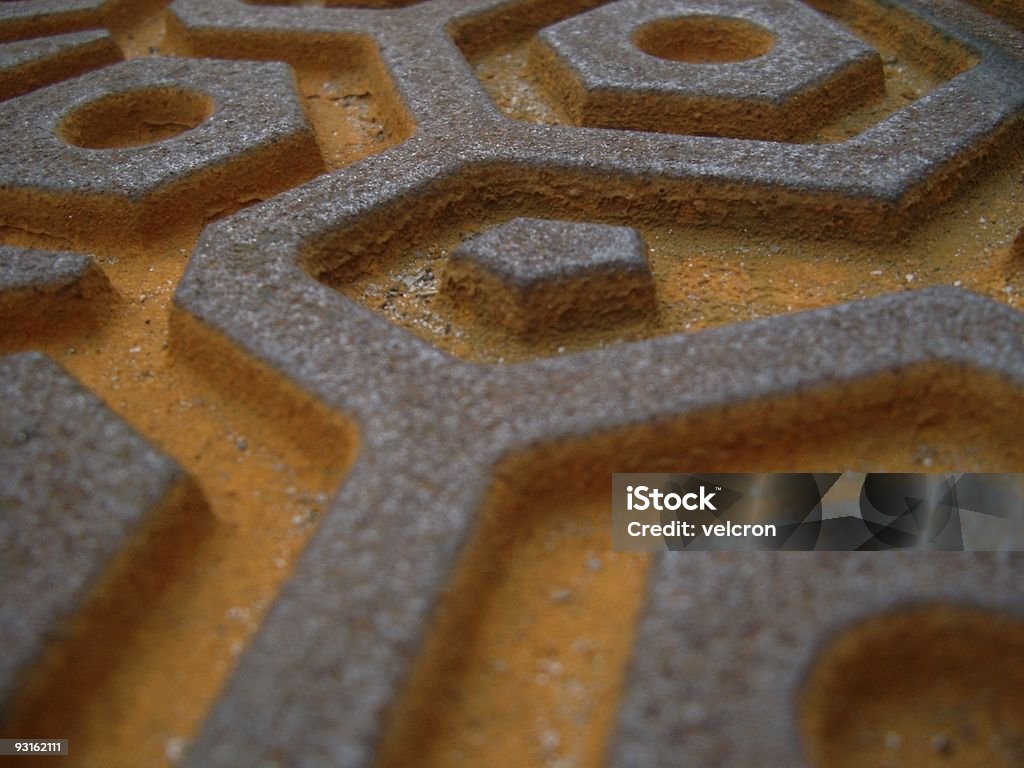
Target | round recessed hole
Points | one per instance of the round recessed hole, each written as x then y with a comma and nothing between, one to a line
703,39
135,118
932,686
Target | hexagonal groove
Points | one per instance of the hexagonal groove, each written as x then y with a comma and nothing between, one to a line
932,123
30,64
928,657
334,64
59,291
536,274
387,381
929,40
82,491
149,189
595,68
375,225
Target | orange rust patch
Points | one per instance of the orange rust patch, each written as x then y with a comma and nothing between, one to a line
137,681
348,96
523,666
354,114
931,687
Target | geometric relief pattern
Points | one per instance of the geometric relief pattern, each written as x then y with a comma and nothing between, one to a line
480,236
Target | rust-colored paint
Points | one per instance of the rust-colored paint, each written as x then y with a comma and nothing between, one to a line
930,687
523,666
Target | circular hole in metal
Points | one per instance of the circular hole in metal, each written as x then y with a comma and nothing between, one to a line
135,118
928,686
703,39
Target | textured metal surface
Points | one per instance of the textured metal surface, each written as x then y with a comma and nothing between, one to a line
609,81
875,179
79,487
491,412
675,681
26,271
541,273
255,126
30,64
440,437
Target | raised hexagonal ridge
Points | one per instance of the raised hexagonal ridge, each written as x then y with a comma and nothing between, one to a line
674,693
29,64
255,141
705,67
79,486
34,18
55,289
872,186
441,437
530,274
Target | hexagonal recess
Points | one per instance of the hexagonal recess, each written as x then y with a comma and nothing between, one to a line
532,274
873,186
77,487
685,685
740,68
320,673
247,136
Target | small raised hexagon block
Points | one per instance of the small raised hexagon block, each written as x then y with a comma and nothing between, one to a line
530,274
32,273
740,68
66,292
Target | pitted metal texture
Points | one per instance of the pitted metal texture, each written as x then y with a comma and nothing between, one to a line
80,487
779,57
520,230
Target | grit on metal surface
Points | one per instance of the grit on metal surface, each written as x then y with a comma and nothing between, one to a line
329,447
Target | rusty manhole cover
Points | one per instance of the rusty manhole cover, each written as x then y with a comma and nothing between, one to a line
324,325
